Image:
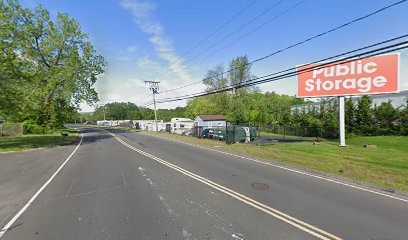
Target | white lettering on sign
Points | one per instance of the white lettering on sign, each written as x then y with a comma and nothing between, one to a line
378,74
363,84
343,70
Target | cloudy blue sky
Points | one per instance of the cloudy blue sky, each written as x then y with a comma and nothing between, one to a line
177,41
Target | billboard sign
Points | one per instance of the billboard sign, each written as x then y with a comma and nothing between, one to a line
374,75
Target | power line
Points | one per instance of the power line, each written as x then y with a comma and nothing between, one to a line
218,29
328,58
178,60
237,30
304,41
254,30
268,78
259,27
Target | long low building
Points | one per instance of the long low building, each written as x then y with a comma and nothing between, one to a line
149,125
397,100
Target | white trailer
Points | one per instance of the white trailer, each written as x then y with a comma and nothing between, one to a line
180,125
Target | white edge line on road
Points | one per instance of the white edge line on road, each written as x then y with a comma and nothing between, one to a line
291,170
317,232
8,225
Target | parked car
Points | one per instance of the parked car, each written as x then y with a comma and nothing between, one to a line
207,133
211,133
218,135
188,132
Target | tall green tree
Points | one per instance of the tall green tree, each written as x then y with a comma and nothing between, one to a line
215,78
239,72
364,112
386,114
55,61
404,118
350,115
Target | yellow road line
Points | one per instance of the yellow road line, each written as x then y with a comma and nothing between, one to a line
315,231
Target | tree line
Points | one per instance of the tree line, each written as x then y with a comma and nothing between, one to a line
47,64
269,110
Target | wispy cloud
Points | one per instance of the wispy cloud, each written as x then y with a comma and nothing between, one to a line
144,17
131,49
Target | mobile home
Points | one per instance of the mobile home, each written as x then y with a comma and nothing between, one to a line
180,125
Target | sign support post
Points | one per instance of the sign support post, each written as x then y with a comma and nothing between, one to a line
342,128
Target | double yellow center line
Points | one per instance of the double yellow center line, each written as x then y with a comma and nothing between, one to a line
317,232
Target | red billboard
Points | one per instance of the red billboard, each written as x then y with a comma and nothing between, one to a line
372,75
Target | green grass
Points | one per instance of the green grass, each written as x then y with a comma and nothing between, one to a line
289,136
30,141
386,165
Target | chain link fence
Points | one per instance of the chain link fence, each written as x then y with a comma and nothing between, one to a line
11,129
230,133
288,133
265,134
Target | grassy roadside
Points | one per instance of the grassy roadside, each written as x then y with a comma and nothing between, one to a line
30,141
386,165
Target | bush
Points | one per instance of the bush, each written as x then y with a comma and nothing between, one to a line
11,129
404,131
32,127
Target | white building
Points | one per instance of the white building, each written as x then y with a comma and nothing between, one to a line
208,121
148,125
397,100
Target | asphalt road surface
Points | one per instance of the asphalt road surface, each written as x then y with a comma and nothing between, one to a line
125,185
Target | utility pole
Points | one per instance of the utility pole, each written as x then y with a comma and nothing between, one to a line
154,86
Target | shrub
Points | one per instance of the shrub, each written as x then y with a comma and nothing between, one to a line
31,126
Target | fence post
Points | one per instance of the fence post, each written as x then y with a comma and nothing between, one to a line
233,133
259,134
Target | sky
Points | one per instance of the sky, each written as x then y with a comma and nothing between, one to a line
176,42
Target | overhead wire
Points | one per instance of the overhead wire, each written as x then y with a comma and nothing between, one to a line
264,24
303,41
178,59
269,78
237,30
255,29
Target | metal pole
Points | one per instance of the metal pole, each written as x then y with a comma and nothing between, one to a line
155,113
342,128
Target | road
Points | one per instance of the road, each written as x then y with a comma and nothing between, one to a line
126,185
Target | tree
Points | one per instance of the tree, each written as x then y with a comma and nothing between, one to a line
118,111
236,112
404,118
386,114
350,115
201,105
364,114
53,59
147,113
215,78
239,72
